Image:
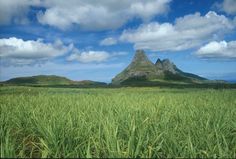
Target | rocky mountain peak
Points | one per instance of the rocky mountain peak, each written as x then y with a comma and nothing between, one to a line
166,61
158,64
165,65
140,56
158,61
141,68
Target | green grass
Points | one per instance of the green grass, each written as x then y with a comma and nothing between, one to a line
122,122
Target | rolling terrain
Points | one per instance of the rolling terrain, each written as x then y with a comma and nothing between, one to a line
51,81
155,121
141,72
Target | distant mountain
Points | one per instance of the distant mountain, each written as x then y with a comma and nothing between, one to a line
87,83
41,80
51,80
142,69
141,72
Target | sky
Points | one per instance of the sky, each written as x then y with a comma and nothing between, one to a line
96,39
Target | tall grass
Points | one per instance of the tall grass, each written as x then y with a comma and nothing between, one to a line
125,122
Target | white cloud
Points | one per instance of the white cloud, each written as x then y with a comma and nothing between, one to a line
216,49
146,9
15,10
92,56
99,14
89,14
108,41
187,32
28,51
14,51
89,56
228,6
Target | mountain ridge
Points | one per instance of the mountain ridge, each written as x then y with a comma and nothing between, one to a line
140,72
50,82
142,69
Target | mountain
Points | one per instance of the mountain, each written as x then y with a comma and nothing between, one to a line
51,80
142,69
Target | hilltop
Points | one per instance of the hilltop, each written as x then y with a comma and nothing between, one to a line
51,80
40,80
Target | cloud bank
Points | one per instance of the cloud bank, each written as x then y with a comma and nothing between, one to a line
89,14
187,32
99,14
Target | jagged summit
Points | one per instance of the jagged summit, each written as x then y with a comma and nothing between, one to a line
140,61
141,68
140,56
158,61
166,65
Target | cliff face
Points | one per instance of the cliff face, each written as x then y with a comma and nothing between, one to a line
141,68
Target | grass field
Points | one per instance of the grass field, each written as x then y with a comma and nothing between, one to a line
121,122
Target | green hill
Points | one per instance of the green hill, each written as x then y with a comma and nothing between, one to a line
40,80
51,80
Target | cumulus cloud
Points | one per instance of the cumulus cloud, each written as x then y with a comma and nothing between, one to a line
23,52
187,32
92,56
89,14
15,11
108,41
99,14
228,6
89,56
216,49
27,51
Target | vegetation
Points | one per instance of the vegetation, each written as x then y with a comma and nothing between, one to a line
142,68
121,122
51,80
170,81
40,79
142,82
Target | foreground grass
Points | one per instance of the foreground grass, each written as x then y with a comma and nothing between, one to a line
125,122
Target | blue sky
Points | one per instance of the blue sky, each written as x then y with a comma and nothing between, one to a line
96,39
